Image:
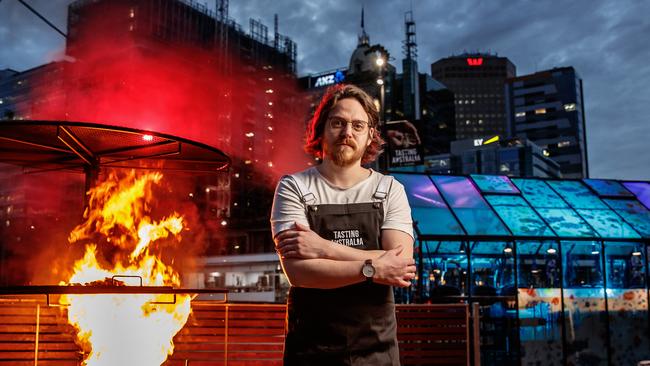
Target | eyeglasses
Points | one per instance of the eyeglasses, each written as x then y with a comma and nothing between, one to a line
339,123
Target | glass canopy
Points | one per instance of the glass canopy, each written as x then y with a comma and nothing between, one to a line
490,205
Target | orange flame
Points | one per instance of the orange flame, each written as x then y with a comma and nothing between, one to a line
126,329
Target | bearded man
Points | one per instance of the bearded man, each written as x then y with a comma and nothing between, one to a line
344,236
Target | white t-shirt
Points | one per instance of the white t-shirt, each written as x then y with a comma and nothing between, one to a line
289,208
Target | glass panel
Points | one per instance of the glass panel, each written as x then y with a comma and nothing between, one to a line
565,222
520,218
584,303
538,193
494,184
608,188
540,305
641,190
576,194
608,224
468,205
445,271
427,207
627,301
634,213
492,286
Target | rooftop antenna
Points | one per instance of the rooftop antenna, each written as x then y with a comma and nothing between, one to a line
363,37
410,46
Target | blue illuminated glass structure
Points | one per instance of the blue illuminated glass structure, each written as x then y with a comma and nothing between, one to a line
558,267
468,205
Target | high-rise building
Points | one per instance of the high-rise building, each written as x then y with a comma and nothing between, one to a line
477,81
547,107
250,112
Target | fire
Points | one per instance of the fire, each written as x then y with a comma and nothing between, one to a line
126,329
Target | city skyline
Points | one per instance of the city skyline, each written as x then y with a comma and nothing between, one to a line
601,40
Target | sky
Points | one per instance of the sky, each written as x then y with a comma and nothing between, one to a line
605,41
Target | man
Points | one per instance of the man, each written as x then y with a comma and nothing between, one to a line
344,235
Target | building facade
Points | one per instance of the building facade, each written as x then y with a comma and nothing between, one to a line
547,107
477,81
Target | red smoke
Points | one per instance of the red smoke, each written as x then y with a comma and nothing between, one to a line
134,78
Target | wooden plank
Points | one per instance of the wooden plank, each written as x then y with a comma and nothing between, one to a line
46,355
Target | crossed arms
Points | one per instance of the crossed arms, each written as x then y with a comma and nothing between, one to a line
309,260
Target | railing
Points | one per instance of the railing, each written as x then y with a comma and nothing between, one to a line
32,333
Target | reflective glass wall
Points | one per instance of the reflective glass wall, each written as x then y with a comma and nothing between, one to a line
559,268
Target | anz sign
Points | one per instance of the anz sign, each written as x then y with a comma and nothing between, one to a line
328,79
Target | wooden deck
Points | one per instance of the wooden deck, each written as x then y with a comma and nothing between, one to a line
227,334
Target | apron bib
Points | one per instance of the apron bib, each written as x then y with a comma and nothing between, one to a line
351,325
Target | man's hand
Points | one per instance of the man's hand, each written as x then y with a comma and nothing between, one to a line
393,270
302,243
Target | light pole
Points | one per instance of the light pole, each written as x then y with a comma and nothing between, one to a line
380,62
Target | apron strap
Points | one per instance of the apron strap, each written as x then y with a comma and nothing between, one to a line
383,187
305,195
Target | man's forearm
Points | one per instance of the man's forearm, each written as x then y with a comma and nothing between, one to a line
322,273
345,253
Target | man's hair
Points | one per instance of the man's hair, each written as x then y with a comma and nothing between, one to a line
316,128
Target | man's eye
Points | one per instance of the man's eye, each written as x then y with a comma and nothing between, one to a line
358,126
336,123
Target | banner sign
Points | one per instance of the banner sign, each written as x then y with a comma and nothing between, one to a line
404,144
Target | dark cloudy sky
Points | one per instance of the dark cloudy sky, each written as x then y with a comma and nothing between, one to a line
608,42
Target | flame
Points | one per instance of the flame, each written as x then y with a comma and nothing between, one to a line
126,329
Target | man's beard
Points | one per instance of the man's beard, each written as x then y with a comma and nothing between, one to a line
342,155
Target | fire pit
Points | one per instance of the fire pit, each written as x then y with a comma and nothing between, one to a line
122,296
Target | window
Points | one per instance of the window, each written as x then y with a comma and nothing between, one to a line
563,143
540,111
520,114
570,107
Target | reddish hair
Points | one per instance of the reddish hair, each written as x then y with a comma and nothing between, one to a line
316,128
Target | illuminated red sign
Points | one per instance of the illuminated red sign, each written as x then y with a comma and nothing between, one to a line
475,61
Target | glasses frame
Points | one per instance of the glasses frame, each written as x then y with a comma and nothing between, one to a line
344,124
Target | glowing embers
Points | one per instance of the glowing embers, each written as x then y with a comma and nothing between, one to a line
123,242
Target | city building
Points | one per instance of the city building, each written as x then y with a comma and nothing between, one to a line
547,107
233,204
513,157
477,81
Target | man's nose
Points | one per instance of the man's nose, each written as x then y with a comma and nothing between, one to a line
347,130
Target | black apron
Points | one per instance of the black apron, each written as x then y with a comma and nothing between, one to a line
351,325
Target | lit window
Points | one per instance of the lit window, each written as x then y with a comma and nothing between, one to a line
563,143
269,91
546,153
132,13
540,111
570,107
520,114
473,101
480,121
1,101
250,134
467,122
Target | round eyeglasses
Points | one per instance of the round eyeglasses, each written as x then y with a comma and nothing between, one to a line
340,123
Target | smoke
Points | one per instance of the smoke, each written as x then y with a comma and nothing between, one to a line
119,72
126,72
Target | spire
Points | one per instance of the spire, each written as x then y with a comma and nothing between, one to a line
363,37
